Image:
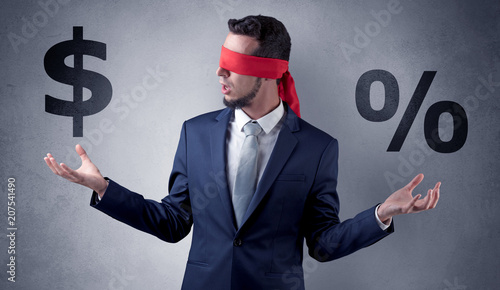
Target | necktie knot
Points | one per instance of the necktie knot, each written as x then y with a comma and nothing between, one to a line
252,128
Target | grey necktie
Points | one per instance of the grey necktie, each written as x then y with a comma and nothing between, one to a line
246,176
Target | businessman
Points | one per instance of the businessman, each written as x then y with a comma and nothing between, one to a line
253,180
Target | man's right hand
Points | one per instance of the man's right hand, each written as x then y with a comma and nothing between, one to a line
87,175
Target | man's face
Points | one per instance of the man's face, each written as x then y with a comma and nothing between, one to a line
239,90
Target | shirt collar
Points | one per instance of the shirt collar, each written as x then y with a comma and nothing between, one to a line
268,122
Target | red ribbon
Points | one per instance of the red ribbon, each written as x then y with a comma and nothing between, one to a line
263,67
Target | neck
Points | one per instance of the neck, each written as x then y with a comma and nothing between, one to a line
266,100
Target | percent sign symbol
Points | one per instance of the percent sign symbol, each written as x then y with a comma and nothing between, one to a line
431,121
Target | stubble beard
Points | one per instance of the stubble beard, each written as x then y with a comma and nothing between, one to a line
246,99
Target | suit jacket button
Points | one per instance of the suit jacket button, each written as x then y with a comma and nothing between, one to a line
237,243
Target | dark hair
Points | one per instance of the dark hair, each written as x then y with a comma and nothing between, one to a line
274,41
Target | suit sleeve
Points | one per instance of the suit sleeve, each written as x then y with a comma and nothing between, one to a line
169,220
327,237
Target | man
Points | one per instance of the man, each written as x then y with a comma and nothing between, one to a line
252,200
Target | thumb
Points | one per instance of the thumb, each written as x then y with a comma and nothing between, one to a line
82,153
415,182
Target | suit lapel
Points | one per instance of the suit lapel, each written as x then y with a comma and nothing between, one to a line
218,150
282,150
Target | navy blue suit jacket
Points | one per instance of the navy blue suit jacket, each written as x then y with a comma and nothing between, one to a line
296,199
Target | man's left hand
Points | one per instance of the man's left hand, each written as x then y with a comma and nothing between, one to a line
402,201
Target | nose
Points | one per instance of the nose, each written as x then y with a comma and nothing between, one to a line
222,72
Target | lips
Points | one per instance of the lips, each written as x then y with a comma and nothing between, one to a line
225,89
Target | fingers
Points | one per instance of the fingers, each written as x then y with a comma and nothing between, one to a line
56,166
52,163
432,197
430,200
425,203
49,164
61,169
435,195
410,186
416,204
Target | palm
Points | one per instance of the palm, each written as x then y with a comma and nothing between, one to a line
88,171
87,175
402,201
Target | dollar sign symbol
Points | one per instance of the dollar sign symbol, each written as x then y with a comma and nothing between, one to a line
77,77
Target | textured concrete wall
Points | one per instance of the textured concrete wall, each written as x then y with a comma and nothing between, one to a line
161,59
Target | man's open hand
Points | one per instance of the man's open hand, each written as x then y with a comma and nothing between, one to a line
402,201
87,175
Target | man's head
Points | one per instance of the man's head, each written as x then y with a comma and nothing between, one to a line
260,36
271,34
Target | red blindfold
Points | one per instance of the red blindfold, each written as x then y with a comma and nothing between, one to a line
263,67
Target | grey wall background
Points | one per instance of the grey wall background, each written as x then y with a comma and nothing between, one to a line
62,243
